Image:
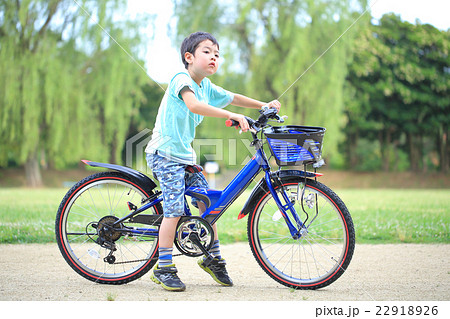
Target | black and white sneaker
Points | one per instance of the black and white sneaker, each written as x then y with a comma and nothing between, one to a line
217,270
167,277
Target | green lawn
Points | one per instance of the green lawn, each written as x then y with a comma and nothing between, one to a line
380,216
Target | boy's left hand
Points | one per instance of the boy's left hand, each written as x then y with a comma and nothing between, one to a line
274,104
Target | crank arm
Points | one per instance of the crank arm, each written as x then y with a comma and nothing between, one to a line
193,237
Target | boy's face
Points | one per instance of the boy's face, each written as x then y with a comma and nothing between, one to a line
205,60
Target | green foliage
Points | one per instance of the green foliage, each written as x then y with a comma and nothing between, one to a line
67,90
267,45
398,91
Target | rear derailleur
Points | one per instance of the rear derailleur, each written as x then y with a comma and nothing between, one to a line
107,234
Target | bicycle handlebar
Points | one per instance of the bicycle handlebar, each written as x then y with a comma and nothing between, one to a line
266,115
230,123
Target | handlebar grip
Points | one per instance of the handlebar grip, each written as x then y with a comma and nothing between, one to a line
230,123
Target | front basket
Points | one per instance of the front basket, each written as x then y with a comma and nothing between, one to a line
295,145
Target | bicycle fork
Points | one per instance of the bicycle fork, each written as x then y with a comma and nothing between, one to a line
296,232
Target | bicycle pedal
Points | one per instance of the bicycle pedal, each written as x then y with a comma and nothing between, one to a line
207,260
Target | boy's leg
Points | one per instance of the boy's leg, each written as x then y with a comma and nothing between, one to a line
216,268
167,231
171,178
201,210
166,237
165,273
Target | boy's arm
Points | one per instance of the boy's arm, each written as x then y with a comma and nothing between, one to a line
244,101
197,107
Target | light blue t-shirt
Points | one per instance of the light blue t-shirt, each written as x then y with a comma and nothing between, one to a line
175,124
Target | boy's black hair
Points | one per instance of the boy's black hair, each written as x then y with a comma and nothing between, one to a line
190,43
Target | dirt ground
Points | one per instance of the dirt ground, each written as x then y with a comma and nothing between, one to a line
377,273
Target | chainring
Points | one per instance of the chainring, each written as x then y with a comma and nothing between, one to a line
185,227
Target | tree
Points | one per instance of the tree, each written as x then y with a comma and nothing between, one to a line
268,44
400,80
66,89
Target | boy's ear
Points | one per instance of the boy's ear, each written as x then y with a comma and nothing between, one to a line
188,56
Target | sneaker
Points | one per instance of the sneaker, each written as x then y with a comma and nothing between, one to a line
167,277
217,271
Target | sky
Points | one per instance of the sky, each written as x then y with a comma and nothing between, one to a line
162,59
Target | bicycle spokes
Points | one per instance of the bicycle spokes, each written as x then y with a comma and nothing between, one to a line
318,252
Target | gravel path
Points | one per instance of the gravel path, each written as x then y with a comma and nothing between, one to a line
377,272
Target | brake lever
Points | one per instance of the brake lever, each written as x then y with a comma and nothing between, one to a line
279,119
282,118
252,130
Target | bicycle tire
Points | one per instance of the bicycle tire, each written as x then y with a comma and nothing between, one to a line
104,195
321,255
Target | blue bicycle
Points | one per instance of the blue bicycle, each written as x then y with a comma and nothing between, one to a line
299,230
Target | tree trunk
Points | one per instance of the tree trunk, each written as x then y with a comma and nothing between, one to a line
396,157
385,149
444,150
414,154
351,149
32,172
423,156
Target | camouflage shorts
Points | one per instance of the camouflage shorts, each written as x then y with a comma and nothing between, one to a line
173,180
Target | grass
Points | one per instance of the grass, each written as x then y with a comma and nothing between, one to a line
28,215
393,216
379,215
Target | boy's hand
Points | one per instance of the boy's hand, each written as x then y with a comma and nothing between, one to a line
241,119
274,104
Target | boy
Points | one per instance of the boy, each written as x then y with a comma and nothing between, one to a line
189,97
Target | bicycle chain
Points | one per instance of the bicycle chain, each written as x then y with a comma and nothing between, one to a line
139,260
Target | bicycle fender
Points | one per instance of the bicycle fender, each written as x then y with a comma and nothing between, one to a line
261,188
144,179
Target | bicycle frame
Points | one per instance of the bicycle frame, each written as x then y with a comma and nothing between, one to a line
309,250
218,201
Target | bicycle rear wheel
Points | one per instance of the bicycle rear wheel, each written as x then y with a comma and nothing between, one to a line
323,251
88,239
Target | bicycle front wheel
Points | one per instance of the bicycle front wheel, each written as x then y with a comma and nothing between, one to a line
88,238
321,251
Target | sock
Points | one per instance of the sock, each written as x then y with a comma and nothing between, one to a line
165,256
215,250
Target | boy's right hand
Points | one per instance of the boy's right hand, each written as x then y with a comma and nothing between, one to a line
241,119
274,104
